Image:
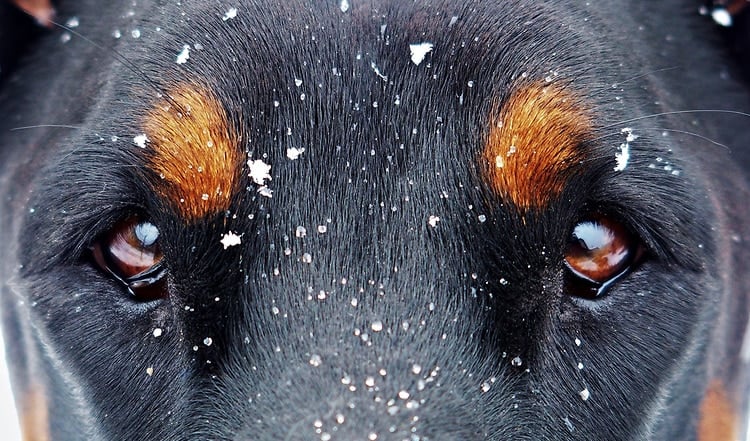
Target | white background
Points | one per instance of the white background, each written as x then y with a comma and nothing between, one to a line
8,418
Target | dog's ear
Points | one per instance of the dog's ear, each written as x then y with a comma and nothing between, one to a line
21,21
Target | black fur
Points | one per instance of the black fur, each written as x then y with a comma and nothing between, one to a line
388,144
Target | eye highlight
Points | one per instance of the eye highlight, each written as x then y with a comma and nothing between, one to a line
130,252
599,252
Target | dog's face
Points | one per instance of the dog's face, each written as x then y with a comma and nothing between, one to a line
375,221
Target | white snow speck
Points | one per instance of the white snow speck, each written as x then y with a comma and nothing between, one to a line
265,191
433,220
629,137
419,51
294,153
344,5
315,360
184,55
569,424
72,22
722,17
157,332
141,140
377,326
149,371
377,71
230,239
208,341
584,394
230,14
623,156
259,171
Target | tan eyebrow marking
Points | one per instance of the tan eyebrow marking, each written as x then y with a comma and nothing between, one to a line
534,138
195,150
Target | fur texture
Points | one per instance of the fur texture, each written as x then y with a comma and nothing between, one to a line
429,307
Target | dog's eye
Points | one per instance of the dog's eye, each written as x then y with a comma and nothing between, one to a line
599,251
130,252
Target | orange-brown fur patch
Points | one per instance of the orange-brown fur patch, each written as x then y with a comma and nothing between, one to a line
34,418
718,418
195,150
534,137
41,10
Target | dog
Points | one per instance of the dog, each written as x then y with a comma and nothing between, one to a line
382,220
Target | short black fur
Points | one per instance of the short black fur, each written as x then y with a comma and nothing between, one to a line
459,331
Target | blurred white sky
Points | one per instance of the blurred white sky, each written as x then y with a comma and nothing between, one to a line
8,420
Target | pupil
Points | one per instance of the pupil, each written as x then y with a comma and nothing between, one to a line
146,233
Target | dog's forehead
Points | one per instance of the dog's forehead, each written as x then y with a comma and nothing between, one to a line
278,94
366,207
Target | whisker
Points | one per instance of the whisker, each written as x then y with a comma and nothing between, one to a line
645,74
64,126
678,112
47,126
662,129
686,132
125,62
100,135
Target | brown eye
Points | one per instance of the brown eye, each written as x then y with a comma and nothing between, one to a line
599,251
130,252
